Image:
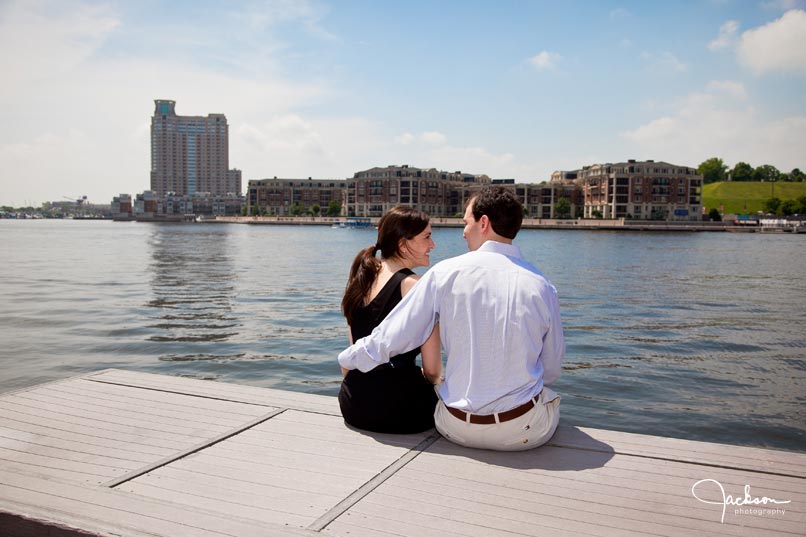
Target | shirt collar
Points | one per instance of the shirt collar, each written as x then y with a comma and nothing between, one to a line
509,250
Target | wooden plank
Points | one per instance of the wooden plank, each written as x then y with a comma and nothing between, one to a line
54,417
164,412
702,453
470,523
12,437
274,460
207,475
53,436
311,425
64,453
221,390
45,472
354,524
43,423
159,400
104,416
112,512
59,463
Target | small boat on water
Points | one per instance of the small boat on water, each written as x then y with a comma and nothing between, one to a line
353,222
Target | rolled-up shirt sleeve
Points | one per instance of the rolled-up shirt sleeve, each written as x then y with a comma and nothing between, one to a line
406,327
553,343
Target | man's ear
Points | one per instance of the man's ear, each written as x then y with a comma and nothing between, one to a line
485,223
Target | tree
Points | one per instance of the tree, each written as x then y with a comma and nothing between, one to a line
714,215
789,207
797,175
315,208
802,203
742,172
334,208
713,170
563,208
596,213
766,172
772,205
297,209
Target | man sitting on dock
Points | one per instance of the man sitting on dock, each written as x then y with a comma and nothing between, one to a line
499,322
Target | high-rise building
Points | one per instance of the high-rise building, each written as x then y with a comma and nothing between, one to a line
189,154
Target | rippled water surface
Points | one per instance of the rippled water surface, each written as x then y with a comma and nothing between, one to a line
692,335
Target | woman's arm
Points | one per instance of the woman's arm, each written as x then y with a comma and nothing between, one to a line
350,332
431,352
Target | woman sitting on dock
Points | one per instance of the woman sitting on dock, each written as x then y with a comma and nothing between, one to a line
397,397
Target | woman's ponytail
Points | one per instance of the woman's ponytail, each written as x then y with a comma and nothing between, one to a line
362,275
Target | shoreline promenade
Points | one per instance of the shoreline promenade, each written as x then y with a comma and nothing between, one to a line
136,454
621,224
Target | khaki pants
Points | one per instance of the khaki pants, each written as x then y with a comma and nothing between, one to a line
531,430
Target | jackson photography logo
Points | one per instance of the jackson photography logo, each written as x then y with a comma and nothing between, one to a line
742,505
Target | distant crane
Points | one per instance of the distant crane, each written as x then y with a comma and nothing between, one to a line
79,201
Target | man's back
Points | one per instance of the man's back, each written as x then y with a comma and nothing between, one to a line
500,326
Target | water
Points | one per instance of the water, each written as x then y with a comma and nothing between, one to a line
690,335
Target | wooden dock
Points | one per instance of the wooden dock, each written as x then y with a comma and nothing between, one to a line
136,454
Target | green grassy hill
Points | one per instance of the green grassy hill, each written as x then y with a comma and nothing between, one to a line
739,198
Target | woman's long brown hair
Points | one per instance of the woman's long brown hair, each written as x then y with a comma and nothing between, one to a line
398,223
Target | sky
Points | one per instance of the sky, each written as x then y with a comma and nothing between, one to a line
511,89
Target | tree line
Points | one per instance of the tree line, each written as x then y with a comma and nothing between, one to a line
715,170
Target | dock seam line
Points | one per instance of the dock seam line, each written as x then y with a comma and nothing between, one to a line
213,398
340,508
190,451
668,459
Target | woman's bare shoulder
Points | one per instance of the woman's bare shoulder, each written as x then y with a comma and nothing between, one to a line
407,283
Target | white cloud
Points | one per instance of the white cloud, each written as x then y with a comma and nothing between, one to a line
778,46
727,36
474,159
433,137
665,62
404,139
706,124
728,87
41,40
545,60
625,43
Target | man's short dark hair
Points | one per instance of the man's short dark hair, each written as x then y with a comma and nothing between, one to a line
501,207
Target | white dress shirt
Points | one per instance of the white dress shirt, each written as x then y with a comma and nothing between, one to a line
499,322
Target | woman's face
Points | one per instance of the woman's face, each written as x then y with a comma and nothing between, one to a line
417,249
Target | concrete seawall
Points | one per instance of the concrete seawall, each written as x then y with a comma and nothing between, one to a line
529,223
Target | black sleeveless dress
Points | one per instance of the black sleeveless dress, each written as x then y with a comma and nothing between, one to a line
393,397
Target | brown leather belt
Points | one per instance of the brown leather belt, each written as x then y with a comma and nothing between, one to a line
486,419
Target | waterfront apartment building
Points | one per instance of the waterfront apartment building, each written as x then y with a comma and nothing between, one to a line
277,197
643,190
190,154
540,200
374,191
